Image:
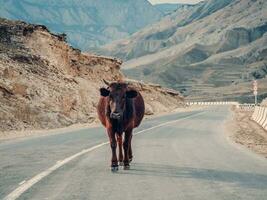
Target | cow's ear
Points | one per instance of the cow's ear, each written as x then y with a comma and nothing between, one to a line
104,92
131,94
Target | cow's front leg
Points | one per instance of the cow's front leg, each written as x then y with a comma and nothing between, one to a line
119,141
130,149
113,145
126,143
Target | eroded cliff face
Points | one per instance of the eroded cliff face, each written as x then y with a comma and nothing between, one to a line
45,83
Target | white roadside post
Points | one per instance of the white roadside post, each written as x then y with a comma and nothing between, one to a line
255,91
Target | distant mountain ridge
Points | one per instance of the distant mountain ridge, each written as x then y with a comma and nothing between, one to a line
88,23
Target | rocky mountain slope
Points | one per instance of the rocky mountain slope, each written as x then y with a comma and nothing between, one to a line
88,23
212,50
45,83
164,33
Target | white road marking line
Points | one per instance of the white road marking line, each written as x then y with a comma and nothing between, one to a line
25,185
22,182
28,184
170,122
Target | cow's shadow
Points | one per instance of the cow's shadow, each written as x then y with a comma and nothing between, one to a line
242,179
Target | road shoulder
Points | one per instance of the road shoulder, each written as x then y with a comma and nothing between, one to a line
33,133
243,131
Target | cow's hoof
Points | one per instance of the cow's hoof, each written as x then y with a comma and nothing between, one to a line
114,168
121,163
126,167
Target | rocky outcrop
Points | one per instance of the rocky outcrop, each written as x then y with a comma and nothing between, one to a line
237,37
45,83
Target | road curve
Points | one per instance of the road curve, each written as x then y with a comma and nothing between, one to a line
186,156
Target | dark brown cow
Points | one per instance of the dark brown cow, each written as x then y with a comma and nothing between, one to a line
120,110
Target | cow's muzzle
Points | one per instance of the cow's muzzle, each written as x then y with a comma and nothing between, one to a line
115,115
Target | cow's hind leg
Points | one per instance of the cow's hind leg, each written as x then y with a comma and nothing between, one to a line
119,141
113,145
126,144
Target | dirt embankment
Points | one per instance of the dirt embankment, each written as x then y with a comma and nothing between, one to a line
246,132
47,84
264,102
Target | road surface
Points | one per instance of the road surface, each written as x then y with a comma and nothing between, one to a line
181,156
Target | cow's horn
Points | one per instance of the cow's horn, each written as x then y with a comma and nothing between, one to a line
106,82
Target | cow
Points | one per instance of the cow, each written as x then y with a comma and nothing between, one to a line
120,109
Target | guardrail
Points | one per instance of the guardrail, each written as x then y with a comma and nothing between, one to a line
211,103
246,107
260,116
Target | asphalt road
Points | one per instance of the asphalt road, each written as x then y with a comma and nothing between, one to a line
186,156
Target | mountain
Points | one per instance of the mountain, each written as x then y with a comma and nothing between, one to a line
87,23
45,83
212,50
162,34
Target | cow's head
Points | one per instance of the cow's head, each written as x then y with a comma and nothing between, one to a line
117,93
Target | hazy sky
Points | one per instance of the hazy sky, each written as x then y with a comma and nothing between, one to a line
174,1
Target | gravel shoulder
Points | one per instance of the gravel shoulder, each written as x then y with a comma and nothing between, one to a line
244,131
